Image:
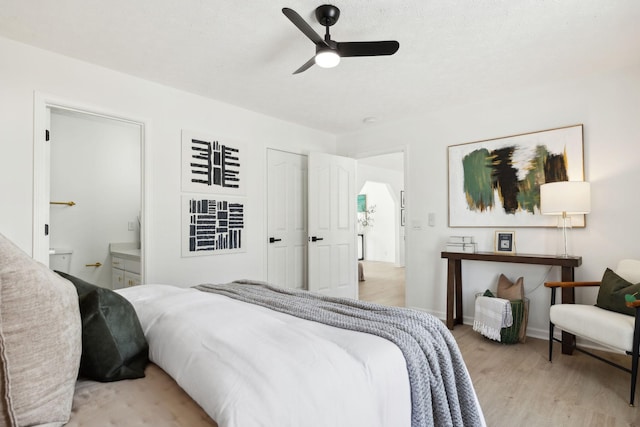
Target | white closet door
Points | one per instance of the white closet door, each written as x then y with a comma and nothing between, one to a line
287,219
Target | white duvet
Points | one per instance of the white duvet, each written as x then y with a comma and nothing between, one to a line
250,366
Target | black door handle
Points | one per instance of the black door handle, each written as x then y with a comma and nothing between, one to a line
315,239
273,240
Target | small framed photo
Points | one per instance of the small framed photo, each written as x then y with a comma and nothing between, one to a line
505,242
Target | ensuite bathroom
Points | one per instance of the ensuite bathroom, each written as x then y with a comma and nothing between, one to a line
95,197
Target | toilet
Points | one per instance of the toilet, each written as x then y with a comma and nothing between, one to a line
60,259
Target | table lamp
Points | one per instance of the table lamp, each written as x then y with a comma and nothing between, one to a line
565,198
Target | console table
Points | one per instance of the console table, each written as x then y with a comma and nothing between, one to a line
454,280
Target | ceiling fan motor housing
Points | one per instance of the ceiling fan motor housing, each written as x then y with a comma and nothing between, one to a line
327,14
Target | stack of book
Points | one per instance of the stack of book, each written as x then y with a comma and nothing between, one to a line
461,244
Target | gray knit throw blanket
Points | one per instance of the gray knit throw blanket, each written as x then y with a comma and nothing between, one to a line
441,390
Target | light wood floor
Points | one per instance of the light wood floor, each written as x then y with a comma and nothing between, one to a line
383,283
516,384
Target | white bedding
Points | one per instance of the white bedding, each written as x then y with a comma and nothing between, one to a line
250,366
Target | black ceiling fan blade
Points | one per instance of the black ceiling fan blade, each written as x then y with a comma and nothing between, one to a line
367,48
302,25
306,65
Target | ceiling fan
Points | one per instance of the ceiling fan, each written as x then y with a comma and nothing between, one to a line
329,52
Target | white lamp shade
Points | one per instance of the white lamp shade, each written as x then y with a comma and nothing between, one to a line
570,197
327,58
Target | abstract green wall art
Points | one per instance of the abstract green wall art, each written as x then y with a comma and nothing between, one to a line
496,182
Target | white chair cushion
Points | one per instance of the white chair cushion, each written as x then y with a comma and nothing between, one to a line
596,324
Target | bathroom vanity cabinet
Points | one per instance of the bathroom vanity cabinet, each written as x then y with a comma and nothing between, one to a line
125,266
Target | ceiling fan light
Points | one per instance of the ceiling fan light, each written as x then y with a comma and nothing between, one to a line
327,58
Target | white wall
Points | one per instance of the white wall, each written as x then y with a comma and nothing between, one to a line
608,105
165,112
380,236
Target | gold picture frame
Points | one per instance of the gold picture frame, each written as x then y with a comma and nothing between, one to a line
496,182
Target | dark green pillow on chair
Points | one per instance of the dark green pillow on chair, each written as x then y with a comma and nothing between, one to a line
612,291
113,343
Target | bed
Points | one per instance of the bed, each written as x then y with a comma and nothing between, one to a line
249,365
234,355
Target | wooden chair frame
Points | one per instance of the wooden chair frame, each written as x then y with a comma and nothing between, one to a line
636,334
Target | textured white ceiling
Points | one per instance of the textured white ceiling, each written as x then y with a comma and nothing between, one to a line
243,52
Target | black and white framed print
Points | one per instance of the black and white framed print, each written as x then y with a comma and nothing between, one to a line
212,225
505,242
212,165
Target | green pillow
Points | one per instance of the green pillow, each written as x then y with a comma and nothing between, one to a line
612,291
113,343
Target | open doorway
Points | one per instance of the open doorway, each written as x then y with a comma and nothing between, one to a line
95,193
381,228
89,198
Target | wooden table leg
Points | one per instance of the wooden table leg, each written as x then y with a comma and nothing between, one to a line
568,297
451,280
458,276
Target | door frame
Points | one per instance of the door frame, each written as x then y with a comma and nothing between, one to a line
41,170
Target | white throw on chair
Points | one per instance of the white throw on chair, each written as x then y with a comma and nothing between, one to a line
605,327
